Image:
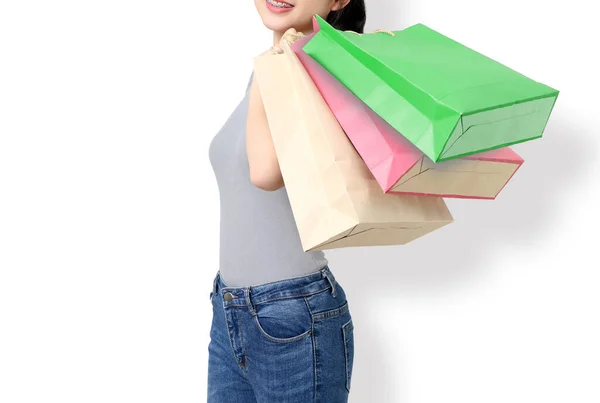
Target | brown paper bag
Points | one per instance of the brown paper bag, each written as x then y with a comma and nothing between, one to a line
335,200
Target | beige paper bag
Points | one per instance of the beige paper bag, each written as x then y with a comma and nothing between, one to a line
335,200
477,176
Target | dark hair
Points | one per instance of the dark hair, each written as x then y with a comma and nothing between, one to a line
350,18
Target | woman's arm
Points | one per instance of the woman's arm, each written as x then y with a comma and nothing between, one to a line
264,167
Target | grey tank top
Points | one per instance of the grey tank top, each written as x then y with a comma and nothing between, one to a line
259,240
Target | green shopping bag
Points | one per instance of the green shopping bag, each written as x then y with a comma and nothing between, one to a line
448,100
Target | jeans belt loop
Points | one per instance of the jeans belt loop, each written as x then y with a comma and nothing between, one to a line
331,280
249,301
215,282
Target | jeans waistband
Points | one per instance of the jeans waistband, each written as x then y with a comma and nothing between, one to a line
308,284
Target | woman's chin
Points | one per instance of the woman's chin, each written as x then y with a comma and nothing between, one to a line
280,25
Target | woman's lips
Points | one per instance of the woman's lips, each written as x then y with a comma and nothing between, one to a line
284,7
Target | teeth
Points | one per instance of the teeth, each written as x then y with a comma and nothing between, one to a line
278,4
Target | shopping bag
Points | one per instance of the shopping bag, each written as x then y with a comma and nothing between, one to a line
478,176
335,200
396,164
445,98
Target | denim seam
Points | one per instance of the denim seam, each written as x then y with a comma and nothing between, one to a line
346,328
332,282
214,287
243,364
249,302
281,340
277,339
322,271
291,296
332,312
230,339
314,343
277,299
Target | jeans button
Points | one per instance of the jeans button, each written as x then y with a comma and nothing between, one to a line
228,296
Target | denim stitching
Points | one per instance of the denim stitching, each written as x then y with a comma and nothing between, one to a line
276,299
243,364
322,271
332,282
346,328
249,302
214,287
314,343
282,340
291,296
230,339
332,312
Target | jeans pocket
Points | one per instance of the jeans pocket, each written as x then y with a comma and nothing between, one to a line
284,320
348,333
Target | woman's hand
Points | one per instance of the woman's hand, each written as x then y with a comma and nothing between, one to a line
290,36
274,50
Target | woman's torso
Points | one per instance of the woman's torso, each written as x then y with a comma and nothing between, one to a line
259,240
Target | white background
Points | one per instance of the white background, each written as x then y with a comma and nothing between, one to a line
109,212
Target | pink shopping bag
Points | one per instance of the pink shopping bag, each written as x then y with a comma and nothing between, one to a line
396,164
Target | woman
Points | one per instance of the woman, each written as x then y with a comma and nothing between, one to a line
281,330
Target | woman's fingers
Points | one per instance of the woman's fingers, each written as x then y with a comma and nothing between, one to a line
291,36
290,31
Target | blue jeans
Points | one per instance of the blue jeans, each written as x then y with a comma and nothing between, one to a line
288,341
